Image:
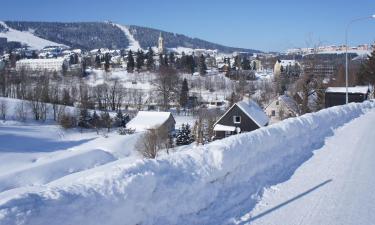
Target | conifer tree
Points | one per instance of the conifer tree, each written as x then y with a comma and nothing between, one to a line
140,59
366,73
184,136
202,65
150,59
184,95
130,64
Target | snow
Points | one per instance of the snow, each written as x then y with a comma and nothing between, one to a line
211,184
254,112
133,43
220,127
356,89
26,37
336,186
147,119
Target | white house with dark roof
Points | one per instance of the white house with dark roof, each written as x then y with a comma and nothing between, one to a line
243,116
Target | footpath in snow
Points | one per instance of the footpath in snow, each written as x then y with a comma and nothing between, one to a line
212,184
336,186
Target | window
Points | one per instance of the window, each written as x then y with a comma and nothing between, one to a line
236,119
273,113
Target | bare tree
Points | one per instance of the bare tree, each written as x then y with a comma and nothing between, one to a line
21,111
167,83
152,142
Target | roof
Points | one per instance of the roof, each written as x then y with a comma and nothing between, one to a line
147,120
289,102
353,90
252,109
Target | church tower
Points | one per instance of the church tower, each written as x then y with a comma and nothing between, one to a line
161,44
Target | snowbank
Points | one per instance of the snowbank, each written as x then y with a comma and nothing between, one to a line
205,185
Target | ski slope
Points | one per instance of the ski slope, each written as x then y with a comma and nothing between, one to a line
133,44
335,187
26,37
223,182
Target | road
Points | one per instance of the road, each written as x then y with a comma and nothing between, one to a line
336,186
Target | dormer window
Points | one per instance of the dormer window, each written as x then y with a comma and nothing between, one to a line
237,119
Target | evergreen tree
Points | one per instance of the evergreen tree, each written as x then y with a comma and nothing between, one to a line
184,136
202,65
98,61
107,61
84,118
130,64
246,64
366,73
184,95
121,120
150,59
140,59
172,59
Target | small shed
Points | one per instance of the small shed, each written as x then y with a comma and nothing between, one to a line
146,120
243,116
337,95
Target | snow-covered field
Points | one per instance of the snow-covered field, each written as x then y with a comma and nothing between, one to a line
213,184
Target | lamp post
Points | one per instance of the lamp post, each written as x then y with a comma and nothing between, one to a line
346,52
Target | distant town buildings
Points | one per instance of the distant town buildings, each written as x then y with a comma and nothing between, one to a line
328,49
52,64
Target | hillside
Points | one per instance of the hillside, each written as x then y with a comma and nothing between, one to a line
91,35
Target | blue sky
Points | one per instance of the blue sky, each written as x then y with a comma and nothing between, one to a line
266,25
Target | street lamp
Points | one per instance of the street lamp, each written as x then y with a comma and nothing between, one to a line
346,52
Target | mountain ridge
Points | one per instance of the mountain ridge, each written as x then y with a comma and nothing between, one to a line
91,35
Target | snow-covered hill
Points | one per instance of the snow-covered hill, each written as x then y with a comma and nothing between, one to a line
212,184
133,44
26,37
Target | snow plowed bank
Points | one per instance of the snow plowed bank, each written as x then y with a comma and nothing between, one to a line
205,185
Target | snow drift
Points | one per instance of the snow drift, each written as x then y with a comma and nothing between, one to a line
205,185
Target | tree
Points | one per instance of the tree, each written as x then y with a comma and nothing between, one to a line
107,61
166,84
366,73
140,59
150,59
152,142
84,118
106,120
202,65
130,64
121,120
172,59
246,64
184,94
184,136
3,109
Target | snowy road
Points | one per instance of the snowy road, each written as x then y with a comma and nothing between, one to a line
336,186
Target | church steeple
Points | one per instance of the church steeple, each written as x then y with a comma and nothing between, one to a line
161,44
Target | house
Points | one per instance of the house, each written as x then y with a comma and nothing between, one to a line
337,95
52,64
243,116
281,108
146,120
281,66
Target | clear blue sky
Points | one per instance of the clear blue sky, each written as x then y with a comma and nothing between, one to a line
268,25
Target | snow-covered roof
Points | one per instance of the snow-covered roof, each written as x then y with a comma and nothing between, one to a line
356,89
220,127
252,109
148,120
289,102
